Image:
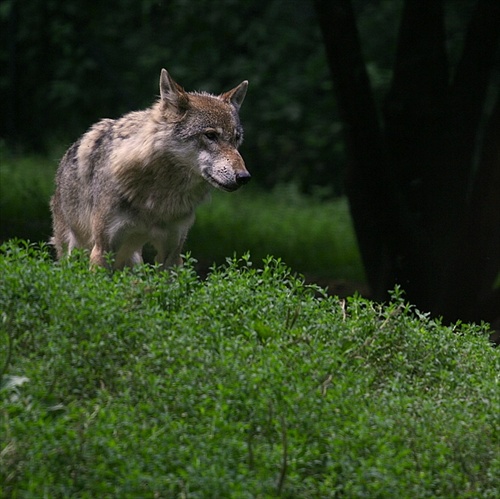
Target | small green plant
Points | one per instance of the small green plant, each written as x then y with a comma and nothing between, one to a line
249,383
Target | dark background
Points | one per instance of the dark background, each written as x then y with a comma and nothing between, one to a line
69,63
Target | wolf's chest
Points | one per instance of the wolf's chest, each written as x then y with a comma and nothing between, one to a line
162,207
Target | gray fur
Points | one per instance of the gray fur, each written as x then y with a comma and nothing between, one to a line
139,178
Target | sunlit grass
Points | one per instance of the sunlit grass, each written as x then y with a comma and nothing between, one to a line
26,184
312,236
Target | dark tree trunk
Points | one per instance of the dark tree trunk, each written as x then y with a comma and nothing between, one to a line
424,197
367,185
415,113
476,264
472,151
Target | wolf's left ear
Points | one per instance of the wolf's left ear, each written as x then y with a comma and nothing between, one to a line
172,93
236,95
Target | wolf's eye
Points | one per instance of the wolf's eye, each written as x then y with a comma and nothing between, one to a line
211,135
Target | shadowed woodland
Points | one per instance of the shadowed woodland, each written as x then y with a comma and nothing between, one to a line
392,103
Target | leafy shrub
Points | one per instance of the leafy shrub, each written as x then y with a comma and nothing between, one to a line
250,383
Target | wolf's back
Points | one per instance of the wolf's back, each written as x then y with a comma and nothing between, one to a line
84,165
81,178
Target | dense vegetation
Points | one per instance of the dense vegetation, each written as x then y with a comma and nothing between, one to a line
410,134
249,382
246,384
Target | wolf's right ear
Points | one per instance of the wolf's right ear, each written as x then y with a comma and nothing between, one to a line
172,93
236,95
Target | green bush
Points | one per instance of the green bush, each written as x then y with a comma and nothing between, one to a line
247,384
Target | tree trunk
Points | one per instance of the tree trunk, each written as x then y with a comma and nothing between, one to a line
424,218
367,185
415,115
472,151
476,264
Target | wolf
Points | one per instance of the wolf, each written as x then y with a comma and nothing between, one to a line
139,178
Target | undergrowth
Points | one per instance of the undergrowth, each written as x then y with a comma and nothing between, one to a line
249,383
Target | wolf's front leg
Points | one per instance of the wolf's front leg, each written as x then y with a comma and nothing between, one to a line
124,257
169,252
169,246
97,257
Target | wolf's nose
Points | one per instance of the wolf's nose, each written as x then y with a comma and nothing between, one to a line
243,178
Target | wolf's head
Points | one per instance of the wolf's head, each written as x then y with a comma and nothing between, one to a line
208,126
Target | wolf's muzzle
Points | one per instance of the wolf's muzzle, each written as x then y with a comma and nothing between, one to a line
243,178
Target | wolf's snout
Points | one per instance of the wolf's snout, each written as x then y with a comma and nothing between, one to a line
243,178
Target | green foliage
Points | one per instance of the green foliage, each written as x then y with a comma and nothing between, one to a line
313,236
248,384
26,184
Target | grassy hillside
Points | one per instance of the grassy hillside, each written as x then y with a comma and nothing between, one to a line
246,384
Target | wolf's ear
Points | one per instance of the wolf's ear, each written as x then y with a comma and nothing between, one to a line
236,95
172,93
